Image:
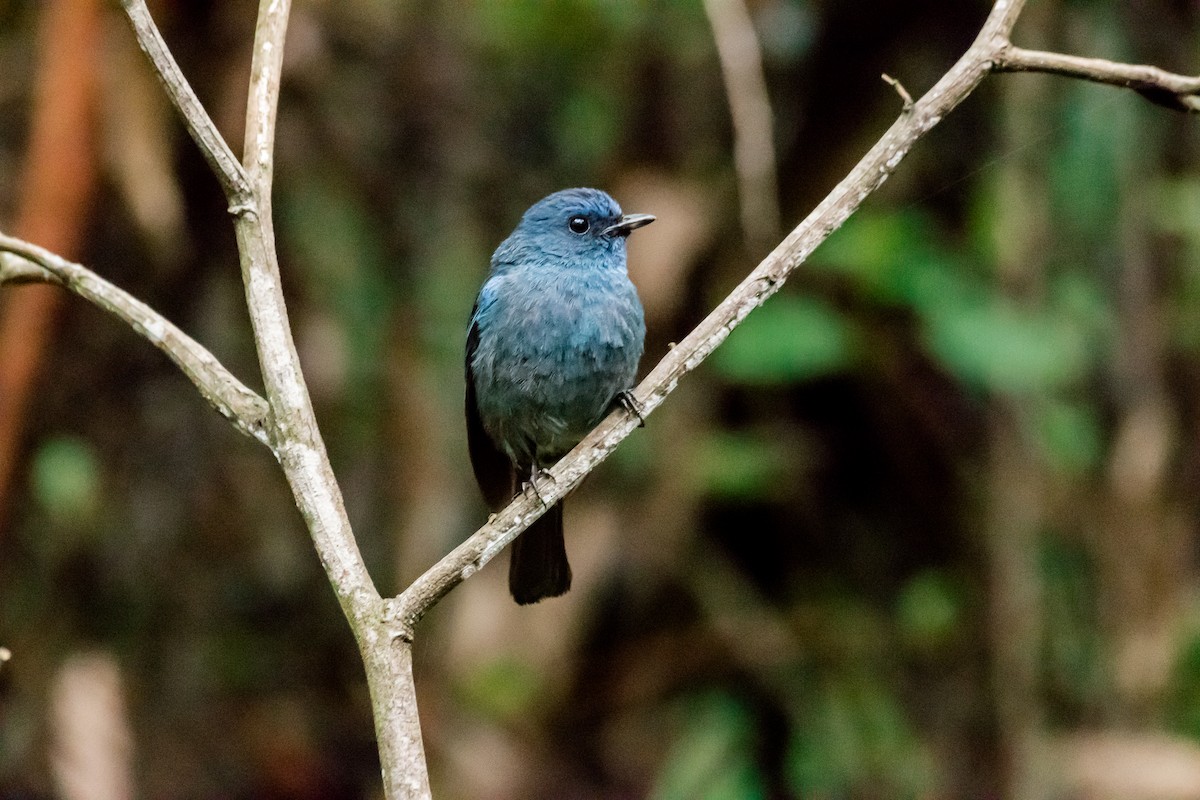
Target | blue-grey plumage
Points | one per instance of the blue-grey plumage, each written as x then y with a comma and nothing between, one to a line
556,334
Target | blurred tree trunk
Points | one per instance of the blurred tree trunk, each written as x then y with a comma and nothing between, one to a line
1013,525
1142,537
57,186
1016,508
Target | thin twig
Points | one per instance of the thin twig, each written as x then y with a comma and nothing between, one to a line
25,262
1178,92
199,124
258,155
905,97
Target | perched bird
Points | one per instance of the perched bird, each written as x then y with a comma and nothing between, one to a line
555,338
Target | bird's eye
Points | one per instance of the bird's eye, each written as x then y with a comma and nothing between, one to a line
578,225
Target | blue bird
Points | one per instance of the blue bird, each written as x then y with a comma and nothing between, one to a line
555,338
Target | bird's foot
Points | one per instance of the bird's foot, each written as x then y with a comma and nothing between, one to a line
630,403
538,476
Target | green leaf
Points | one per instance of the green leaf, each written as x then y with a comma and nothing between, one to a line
1184,699
872,243
854,738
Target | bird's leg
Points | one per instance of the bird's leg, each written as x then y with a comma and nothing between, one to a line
536,476
627,401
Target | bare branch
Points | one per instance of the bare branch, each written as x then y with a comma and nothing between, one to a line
204,132
299,446
24,262
15,270
1178,92
385,644
293,434
997,28
258,155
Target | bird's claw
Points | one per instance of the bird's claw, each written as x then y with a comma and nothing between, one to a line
630,403
536,476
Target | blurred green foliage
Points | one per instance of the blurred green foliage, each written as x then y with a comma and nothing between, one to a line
65,478
712,758
855,733
789,339
504,689
930,611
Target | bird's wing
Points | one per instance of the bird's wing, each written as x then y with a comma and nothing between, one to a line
494,471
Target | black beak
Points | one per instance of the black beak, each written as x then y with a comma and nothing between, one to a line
628,223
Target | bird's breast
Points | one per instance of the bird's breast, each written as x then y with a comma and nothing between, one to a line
553,352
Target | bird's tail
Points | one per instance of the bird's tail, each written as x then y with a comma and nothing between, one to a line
538,565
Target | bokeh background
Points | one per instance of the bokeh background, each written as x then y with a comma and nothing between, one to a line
924,527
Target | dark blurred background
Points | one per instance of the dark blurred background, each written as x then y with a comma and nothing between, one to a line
924,527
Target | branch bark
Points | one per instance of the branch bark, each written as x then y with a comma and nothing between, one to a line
1178,92
203,130
21,261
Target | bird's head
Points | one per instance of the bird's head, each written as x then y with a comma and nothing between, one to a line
584,224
